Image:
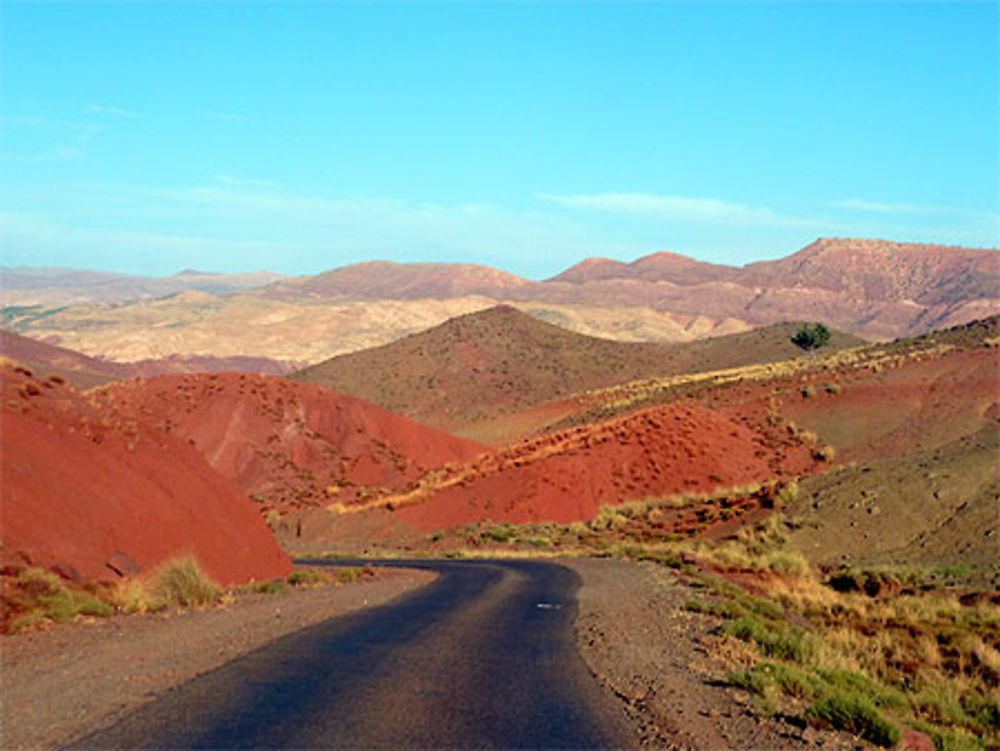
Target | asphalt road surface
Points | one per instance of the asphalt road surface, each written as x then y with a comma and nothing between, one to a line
484,657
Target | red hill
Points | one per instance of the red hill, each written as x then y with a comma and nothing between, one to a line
567,476
80,484
79,369
289,444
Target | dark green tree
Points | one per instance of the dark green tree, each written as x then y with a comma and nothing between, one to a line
811,336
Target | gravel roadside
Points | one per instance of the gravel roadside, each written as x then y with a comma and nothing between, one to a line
664,666
59,684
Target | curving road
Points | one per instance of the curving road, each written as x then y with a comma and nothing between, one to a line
484,657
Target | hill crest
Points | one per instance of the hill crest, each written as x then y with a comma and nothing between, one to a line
501,360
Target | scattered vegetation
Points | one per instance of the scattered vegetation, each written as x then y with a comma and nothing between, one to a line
865,651
35,598
861,651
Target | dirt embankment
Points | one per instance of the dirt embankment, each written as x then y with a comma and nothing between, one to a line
60,684
83,486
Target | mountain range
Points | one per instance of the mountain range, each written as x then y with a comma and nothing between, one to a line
871,288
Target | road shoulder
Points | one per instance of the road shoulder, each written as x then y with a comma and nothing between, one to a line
60,684
664,666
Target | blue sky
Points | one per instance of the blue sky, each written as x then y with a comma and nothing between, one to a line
149,137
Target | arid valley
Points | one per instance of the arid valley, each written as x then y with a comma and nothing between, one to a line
771,492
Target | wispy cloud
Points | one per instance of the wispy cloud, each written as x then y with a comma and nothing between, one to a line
101,109
37,139
681,209
879,207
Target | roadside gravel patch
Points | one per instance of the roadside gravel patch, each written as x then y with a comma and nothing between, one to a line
662,664
59,684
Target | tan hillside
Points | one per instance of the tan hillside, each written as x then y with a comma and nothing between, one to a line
501,360
85,372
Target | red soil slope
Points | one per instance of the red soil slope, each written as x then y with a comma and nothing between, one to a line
919,405
289,444
675,449
80,484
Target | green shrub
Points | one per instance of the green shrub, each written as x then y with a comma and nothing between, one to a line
270,587
501,532
182,583
781,641
66,605
305,578
41,596
348,574
858,684
983,709
750,681
811,336
856,715
946,739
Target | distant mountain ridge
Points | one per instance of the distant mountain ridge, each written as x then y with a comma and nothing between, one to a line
876,289
53,285
658,267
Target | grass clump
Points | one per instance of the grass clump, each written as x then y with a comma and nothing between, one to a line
350,574
778,639
502,532
269,587
306,578
182,583
36,597
789,680
857,715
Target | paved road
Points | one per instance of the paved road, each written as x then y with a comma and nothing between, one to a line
482,658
